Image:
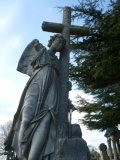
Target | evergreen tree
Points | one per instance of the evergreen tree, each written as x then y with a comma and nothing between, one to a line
97,62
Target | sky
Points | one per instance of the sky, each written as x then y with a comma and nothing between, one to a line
20,23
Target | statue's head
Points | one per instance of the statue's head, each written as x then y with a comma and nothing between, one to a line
57,41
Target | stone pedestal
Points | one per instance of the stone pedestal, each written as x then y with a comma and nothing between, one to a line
72,149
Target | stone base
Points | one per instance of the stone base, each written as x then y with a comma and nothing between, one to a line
72,149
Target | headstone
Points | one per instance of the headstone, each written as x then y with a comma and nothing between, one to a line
74,148
103,149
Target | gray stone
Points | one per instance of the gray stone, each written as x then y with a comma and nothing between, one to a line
66,29
33,133
72,149
103,149
62,118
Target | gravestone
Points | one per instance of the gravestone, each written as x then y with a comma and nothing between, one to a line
103,149
74,148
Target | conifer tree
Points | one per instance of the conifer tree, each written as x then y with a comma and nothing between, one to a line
97,62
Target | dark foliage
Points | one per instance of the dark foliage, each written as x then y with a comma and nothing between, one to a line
97,62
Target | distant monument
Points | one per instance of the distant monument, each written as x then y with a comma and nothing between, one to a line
113,140
40,127
103,150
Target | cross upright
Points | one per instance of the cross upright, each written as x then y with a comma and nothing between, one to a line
66,29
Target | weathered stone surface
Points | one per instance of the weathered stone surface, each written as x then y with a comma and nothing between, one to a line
57,28
72,149
66,29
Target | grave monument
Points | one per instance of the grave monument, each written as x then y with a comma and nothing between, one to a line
41,130
113,140
103,151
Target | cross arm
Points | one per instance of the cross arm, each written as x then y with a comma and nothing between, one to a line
57,28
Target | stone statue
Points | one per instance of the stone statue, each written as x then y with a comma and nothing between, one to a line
33,132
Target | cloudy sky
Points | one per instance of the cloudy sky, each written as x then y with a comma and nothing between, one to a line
20,23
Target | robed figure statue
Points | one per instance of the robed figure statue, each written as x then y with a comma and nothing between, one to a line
34,125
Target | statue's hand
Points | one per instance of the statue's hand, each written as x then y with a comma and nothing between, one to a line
69,86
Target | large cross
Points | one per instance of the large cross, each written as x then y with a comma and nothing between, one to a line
66,29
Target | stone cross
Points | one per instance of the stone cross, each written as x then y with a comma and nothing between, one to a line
66,29
103,149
